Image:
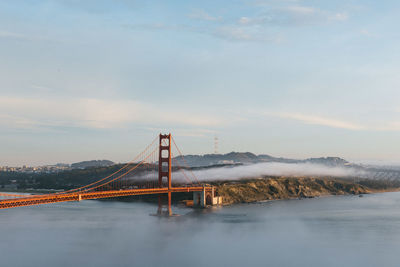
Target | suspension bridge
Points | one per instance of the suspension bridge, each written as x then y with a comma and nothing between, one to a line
150,172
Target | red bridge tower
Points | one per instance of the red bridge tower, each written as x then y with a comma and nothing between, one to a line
164,168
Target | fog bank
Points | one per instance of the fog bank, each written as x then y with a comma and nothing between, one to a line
271,169
265,169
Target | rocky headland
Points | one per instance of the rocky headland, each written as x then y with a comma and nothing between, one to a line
274,188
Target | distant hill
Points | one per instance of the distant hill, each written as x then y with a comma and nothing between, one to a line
330,161
216,159
209,160
91,164
249,158
86,172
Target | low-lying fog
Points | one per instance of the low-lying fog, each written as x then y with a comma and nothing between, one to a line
266,169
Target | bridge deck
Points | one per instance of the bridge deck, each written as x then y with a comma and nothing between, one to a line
77,196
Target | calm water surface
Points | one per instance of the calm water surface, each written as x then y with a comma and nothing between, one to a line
333,231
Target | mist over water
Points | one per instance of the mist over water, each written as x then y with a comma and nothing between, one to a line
333,231
272,169
237,172
258,170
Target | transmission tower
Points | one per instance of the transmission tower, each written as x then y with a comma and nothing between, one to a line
215,144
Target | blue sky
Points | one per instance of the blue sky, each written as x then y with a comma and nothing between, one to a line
99,79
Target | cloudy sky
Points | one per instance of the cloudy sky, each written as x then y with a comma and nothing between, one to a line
100,79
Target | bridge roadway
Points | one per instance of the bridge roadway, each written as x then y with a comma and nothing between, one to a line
77,196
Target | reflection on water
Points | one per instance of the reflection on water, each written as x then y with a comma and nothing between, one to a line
334,231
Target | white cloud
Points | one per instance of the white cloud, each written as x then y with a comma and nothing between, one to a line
248,34
254,28
324,121
336,123
24,36
292,15
184,132
19,122
6,34
268,3
194,133
318,120
302,10
340,16
368,33
244,20
17,112
234,33
365,32
202,15
390,126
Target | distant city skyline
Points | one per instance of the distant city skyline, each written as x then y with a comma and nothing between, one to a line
85,80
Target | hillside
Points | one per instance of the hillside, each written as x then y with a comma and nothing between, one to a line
91,164
249,158
273,188
211,165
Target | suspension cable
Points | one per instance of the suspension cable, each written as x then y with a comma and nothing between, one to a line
122,175
190,169
124,167
88,185
183,172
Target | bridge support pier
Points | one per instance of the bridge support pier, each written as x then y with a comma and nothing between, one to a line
160,210
169,204
206,198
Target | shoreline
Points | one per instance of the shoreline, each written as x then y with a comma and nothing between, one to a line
281,188
270,188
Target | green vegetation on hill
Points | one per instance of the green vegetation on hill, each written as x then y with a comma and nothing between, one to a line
271,188
91,164
61,180
249,190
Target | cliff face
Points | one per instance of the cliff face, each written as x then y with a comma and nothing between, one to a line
286,188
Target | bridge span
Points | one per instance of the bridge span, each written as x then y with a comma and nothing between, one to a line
123,182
